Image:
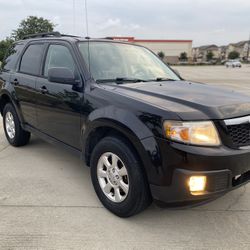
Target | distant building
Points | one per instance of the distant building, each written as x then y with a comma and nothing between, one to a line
223,51
199,54
240,47
171,48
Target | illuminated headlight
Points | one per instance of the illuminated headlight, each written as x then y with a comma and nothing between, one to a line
196,133
197,183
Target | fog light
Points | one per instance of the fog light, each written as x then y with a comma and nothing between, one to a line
197,183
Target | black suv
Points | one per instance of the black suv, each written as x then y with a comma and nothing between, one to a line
145,132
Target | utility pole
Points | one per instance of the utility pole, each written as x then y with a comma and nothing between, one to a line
248,48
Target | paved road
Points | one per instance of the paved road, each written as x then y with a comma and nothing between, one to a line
47,202
236,79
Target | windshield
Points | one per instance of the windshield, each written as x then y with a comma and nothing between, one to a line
110,61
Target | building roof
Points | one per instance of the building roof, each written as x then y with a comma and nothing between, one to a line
239,44
132,39
205,47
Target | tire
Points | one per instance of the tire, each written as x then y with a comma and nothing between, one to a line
136,196
14,133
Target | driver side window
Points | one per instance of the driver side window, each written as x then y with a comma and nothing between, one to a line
59,56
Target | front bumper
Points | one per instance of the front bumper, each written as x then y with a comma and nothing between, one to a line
218,183
225,169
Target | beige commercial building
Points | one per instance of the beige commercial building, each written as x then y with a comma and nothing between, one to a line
171,48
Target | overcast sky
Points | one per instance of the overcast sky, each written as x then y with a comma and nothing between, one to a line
203,21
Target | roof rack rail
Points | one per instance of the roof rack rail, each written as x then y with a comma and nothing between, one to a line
108,38
68,35
45,34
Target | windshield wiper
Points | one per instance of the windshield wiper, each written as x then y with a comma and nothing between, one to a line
120,80
162,79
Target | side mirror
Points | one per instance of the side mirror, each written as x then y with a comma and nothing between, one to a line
61,75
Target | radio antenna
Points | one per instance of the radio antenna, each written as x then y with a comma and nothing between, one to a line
74,17
87,30
86,18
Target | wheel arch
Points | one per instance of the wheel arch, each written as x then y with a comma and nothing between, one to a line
132,130
103,127
5,98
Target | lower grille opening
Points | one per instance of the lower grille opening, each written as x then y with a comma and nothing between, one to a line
217,182
237,180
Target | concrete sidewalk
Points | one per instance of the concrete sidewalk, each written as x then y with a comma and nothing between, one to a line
47,202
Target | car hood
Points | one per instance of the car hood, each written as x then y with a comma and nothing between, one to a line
189,100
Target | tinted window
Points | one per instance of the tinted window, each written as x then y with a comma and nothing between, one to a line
31,59
109,60
58,56
11,57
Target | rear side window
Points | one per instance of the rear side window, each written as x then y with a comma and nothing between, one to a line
31,59
9,63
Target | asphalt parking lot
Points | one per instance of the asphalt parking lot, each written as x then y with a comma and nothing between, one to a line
47,200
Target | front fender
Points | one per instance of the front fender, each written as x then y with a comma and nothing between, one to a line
134,130
128,119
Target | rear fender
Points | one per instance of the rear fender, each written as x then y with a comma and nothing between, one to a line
13,101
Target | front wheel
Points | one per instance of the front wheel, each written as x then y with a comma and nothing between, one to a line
12,127
118,178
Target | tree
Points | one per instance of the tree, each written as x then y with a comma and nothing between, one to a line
161,54
32,25
210,55
4,45
233,55
183,56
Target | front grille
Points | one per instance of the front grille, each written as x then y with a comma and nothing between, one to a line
239,131
240,134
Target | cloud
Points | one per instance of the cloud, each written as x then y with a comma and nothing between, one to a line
214,21
110,23
116,25
216,31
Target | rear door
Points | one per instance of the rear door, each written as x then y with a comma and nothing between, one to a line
59,105
24,81
9,64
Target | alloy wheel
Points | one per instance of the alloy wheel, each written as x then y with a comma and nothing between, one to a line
10,125
113,177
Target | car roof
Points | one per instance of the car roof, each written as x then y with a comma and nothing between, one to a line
63,37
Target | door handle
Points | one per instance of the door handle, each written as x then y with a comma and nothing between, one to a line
15,82
44,90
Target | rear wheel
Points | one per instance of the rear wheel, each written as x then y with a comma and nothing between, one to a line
12,127
118,178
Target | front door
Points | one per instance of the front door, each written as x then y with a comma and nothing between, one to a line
58,105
